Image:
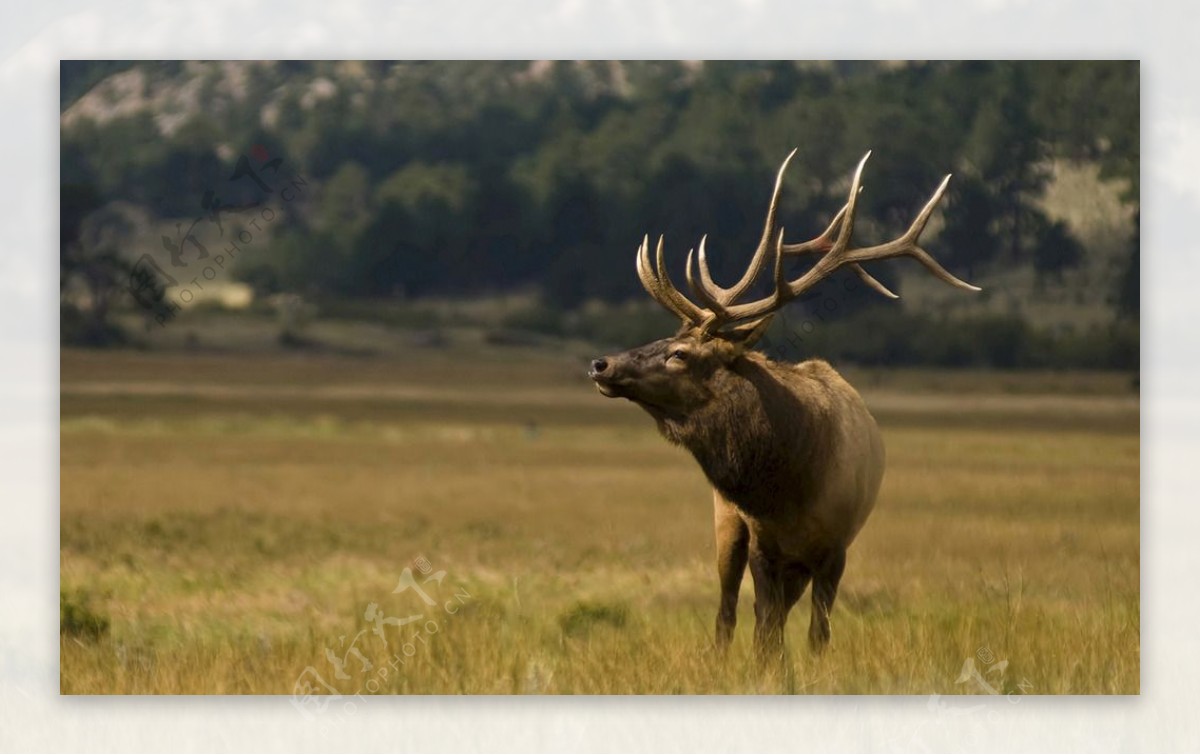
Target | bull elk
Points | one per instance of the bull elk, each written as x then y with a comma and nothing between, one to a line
793,454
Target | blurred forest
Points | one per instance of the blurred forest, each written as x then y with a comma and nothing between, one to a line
534,182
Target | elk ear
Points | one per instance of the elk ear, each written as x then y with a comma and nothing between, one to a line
747,334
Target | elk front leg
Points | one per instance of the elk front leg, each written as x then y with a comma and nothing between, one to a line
733,539
825,586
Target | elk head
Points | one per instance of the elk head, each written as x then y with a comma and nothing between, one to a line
673,377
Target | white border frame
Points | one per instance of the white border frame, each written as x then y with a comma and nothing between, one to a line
34,37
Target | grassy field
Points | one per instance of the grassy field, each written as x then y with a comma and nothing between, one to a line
230,523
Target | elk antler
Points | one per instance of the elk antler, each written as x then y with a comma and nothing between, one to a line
720,307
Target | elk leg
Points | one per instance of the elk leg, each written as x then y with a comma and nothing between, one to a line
797,579
825,586
770,604
733,539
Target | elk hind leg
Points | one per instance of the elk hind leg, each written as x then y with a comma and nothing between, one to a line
796,581
825,587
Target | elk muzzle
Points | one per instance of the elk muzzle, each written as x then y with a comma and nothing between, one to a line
605,373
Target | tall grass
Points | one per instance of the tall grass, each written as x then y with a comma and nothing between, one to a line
236,546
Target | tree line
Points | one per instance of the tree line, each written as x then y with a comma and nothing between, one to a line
466,179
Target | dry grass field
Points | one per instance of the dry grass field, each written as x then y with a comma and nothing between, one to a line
241,524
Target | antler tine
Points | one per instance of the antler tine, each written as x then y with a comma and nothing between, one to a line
871,281
657,282
839,253
649,277
823,243
907,246
645,275
687,309
694,284
723,297
847,229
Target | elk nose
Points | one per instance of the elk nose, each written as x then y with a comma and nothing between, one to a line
598,366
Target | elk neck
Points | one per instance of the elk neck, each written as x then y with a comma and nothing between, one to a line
760,438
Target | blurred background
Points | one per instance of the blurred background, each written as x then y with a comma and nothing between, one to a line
504,201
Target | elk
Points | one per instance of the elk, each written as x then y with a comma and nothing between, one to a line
794,457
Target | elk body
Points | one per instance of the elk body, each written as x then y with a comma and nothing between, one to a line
792,452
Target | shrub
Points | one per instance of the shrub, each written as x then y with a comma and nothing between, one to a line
78,619
582,617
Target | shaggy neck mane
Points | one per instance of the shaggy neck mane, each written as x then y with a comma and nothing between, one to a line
757,439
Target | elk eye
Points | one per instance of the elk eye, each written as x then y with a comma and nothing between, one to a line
679,354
